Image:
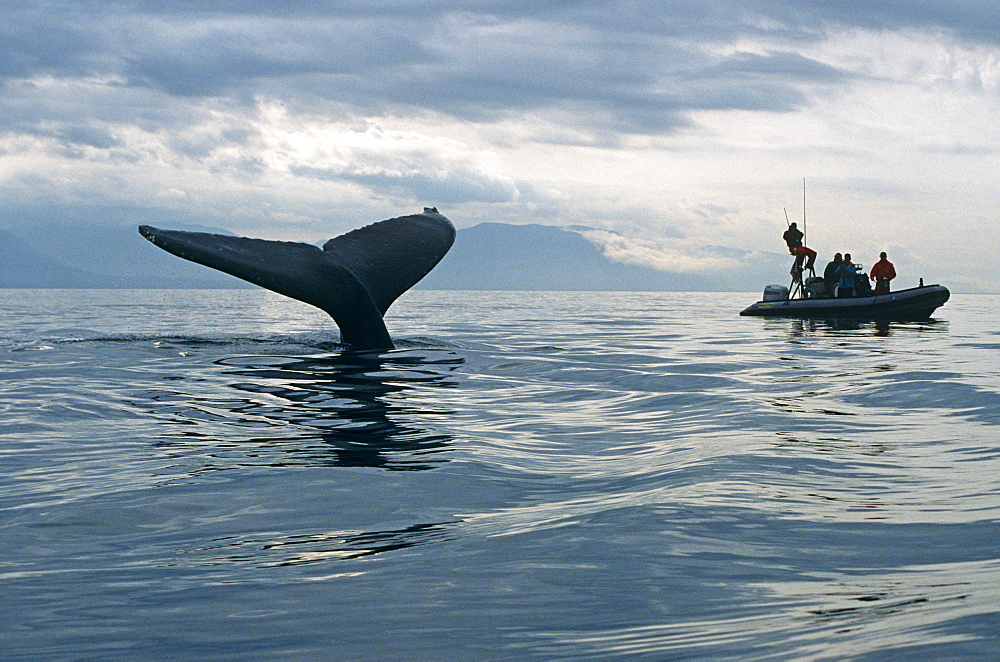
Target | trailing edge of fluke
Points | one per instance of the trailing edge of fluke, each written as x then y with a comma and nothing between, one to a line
354,278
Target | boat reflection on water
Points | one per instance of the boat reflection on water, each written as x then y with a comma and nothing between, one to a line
804,327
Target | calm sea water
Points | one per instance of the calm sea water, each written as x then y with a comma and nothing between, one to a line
205,474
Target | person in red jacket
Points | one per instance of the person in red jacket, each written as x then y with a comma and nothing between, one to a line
882,273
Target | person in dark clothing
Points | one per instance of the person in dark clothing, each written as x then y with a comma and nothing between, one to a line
793,236
793,239
830,273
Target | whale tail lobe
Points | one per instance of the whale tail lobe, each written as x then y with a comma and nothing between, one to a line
354,278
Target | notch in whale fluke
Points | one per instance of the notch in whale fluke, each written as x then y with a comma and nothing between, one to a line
354,278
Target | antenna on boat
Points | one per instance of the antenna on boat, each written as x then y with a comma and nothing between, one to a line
804,236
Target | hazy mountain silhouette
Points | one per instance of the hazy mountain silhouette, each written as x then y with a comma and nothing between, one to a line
23,266
95,256
498,256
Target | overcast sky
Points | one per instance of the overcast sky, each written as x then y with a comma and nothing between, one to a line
680,125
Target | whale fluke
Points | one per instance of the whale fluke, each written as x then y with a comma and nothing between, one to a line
354,278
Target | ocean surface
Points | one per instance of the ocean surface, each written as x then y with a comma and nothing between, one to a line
207,475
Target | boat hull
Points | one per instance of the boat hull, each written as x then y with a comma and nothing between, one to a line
917,303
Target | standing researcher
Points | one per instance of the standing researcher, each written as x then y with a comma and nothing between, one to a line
882,273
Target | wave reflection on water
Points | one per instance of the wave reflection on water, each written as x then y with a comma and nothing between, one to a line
541,474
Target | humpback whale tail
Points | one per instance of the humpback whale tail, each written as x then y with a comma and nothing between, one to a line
354,278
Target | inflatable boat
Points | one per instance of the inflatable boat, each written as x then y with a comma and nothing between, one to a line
916,303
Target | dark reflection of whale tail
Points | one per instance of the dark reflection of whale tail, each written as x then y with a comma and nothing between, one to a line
352,409
364,407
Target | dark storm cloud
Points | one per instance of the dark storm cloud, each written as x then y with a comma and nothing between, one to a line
78,72
210,56
219,39
88,136
629,66
794,20
37,40
973,20
634,66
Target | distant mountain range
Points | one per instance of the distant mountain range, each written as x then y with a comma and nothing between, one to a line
499,256
489,256
94,256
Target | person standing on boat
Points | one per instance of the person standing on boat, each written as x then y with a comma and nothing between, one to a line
845,277
882,273
830,273
793,239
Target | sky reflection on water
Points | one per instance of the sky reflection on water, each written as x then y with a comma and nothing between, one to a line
551,475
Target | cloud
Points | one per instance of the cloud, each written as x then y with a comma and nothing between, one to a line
405,163
89,136
663,254
37,40
975,20
583,73
480,62
210,56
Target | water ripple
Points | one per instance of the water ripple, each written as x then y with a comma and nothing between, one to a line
538,475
